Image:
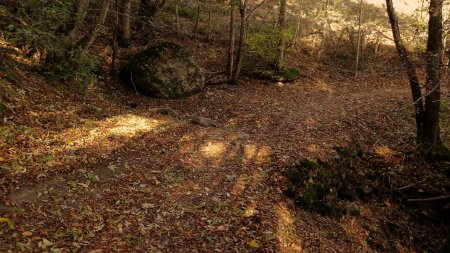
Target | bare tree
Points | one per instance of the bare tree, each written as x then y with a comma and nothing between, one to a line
196,22
427,106
245,15
282,27
126,20
230,61
358,48
432,138
82,8
89,39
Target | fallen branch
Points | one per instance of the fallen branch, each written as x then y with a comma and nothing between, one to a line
430,199
134,86
407,186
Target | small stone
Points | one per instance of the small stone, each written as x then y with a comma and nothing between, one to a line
204,122
279,84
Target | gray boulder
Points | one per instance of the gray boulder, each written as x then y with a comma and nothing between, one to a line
165,70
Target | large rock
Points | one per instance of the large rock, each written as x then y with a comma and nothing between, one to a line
165,70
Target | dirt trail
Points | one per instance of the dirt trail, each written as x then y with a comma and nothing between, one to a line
179,187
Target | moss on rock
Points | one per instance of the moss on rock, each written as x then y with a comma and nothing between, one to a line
165,70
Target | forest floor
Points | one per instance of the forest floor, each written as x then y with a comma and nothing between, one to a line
92,173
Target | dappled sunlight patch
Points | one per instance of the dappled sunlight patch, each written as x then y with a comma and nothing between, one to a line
249,153
322,86
257,155
263,155
312,148
285,230
388,154
213,149
130,125
384,151
120,126
17,55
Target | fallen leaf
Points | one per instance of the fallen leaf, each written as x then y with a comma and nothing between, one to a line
7,221
23,246
45,243
27,233
253,244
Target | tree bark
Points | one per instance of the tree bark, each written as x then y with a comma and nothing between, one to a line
410,71
245,16
82,9
326,30
115,35
208,35
177,20
126,21
230,61
432,85
196,22
358,48
89,39
241,43
282,27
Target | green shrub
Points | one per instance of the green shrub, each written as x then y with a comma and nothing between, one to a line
264,40
48,22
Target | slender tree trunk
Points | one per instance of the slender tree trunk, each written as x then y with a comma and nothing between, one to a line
208,35
282,42
414,83
230,61
196,23
377,44
358,48
82,9
126,20
115,35
338,43
444,47
242,38
297,28
177,20
326,30
89,39
432,85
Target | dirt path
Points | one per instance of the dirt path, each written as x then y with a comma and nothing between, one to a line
179,187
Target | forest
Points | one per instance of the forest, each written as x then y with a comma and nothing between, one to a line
225,126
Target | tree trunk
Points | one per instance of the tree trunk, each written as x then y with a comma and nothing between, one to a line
282,42
196,23
297,28
230,60
338,43
242,38
377,44
89,39
410,71
358,48
432,85
326,30
115,35
147,10
82,9
177,20
208,35
126,21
